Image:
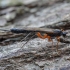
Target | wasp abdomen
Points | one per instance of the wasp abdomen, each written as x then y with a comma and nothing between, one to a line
19,31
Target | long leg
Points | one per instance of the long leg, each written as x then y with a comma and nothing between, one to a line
27,41
52,44
40,36
58,40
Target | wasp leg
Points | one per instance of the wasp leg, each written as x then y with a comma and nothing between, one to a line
58,40
52,45
40,36
52,49
49,38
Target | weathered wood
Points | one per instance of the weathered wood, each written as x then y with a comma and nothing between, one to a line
65,24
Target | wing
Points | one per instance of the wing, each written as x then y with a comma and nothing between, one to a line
30,29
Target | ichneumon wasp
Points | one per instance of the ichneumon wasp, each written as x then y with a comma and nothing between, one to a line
50,34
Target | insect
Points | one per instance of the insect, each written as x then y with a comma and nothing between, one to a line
50,34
